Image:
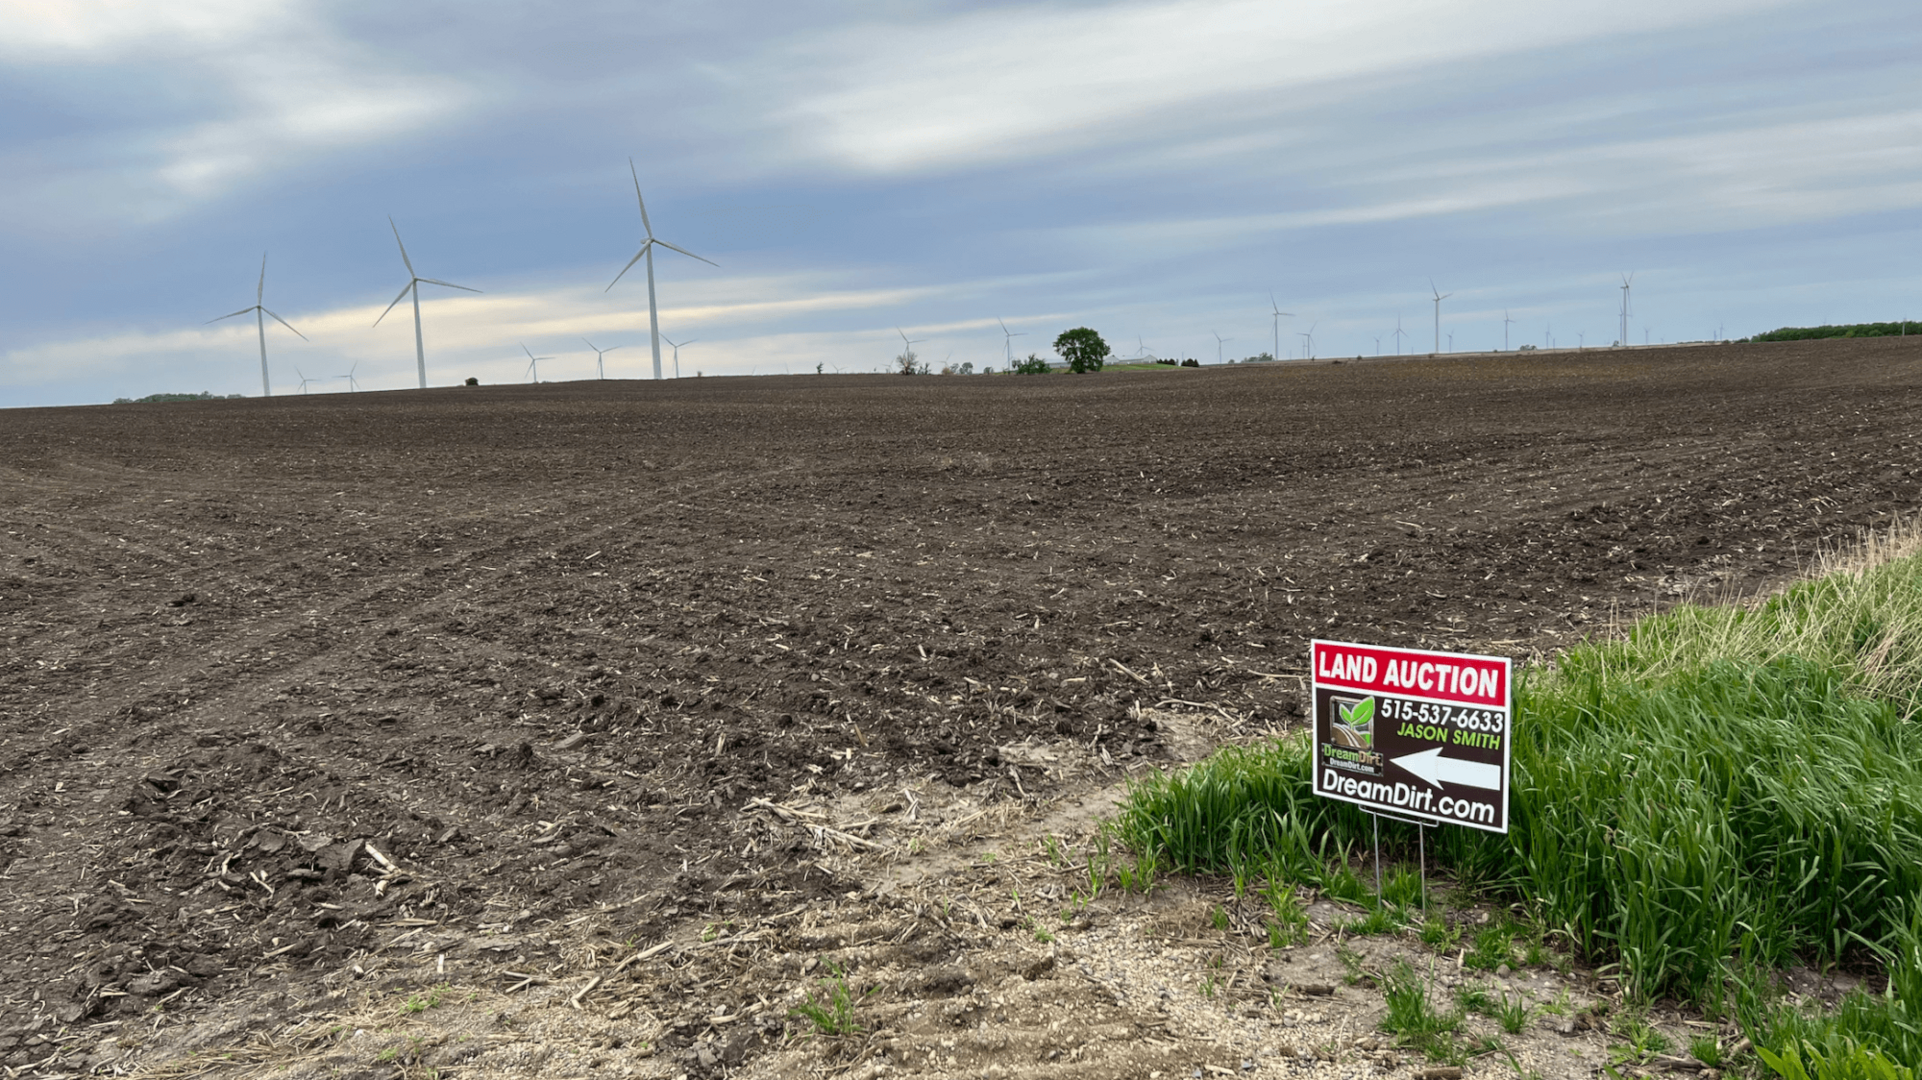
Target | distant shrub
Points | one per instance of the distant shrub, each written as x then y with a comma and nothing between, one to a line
471,381
1811,333
1033,365
1083,349
151,399
1191,362
908,364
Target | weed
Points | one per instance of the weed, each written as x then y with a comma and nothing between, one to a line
1440,933
1290,925
1512,1014
1382,920
1042,935
1208,987
1706,1049
1350,963
1218,917
1415,1020
1640,1039
830,1006
1494,946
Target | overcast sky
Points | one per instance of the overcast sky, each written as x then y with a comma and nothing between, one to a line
1150,169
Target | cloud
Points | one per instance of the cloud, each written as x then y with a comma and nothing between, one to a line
249,87
997,84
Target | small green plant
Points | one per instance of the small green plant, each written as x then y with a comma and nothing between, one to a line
830,1006
1042,935
1640,1039
1218,917
1512,1014
1350,963
1440,933
1493,947
1290,925
1706,1049
1208,987
1413,1018
1382,920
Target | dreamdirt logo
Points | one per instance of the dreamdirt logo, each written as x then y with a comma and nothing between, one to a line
1350,742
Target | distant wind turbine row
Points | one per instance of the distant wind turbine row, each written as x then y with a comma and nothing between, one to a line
415,281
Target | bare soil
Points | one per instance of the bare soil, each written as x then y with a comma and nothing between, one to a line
584,729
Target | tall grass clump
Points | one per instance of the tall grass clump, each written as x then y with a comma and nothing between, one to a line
1724,789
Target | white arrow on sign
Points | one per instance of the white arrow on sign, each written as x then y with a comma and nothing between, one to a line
1439,770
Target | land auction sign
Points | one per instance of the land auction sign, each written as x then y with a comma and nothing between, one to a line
1413,734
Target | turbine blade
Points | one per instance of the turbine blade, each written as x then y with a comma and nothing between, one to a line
403,247
629,266
448,284
260,292
688,253
397,299
591,346
615,347
1004,326
690,341
528,351
287,324
242,311
638,199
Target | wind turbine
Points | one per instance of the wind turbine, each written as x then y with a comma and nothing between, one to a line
907,346
304,380
1308,339
1439,297
353,384
1399,333
1219,341
533,362
677,353
1627,280
260,323
414,281
1278,313
1377,344
647,251
1506,321
602,367
1007,342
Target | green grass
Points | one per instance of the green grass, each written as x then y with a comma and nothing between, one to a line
1415,1020
1725,790
830,1006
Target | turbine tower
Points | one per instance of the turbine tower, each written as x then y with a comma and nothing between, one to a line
414,282
1506,323
1439,297
677,352
304,380
647,252
1007,343
353,384
260,323
533,362
1278,313
598,353
1308,338
1627,280
1219,341
1399,333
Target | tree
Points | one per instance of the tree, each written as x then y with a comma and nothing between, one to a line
1033,365
1083,349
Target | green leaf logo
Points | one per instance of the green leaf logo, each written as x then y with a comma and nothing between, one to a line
1358,714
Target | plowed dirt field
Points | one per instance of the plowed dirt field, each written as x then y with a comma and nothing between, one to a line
319,703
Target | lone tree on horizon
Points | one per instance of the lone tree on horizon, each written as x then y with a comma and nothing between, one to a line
1083,349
